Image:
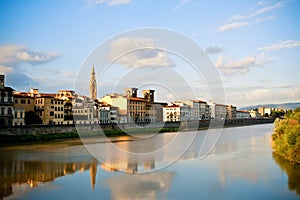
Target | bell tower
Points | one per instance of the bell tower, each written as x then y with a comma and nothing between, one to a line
93,85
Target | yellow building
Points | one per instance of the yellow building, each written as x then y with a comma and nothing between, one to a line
24,100
50,109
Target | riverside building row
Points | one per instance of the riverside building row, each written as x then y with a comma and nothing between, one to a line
67,107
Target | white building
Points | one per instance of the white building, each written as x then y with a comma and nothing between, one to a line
85,112
107,114
116,100
176,112
218,111
199,109
242,114
254,114
19,117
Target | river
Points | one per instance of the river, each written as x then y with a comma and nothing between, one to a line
240,165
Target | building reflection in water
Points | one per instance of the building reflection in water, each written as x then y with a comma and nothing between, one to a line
292,170
15,173
32,173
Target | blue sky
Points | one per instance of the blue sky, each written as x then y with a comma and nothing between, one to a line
254,44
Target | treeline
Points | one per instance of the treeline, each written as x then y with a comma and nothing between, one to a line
286,136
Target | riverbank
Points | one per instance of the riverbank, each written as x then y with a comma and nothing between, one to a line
31,134
286,137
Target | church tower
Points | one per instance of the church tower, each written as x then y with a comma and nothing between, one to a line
93,85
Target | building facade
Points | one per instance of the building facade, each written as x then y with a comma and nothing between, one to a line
230,112
19,117
242,114
6,103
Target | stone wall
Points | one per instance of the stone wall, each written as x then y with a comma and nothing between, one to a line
47,129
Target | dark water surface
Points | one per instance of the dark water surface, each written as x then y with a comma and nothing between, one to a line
240,166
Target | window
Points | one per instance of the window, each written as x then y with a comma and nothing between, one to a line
2,99
55,109
9,111
51,101
16,101
22,101
16,114
28,101
9,99
2,111
51,113
21,114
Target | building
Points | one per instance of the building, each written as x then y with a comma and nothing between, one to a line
254,114
6,103
264,111
230,112
218,111
19,117
176,112
200,110
116,100
134,109
107,114
85,111
171,113
50,109
24,100
66,94
140,109
93,85
242,114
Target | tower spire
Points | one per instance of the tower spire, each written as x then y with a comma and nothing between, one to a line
93,85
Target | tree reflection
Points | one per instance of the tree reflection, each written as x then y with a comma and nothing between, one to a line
292,170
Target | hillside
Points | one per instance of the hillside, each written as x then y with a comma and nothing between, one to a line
286,106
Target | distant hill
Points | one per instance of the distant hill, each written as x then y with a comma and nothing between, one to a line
286,106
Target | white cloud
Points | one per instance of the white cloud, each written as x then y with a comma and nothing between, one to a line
259,94
5,69
213,49
138,52
293,93
232,25
266,95
238,21
14,54
109,2
287,44
242,66
181,3
11,59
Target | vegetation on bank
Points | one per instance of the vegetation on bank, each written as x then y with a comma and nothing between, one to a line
286,136
14,139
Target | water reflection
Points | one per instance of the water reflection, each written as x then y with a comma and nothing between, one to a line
292,170
240,165
141,186
27,167
33,173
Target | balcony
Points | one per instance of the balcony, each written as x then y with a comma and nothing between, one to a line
39,108
6,103
6,115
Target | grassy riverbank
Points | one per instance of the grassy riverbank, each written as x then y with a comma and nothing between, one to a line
286,136
30,138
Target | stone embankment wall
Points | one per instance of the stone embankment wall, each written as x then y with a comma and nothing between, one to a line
42,129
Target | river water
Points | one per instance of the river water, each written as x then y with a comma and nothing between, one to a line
240,165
